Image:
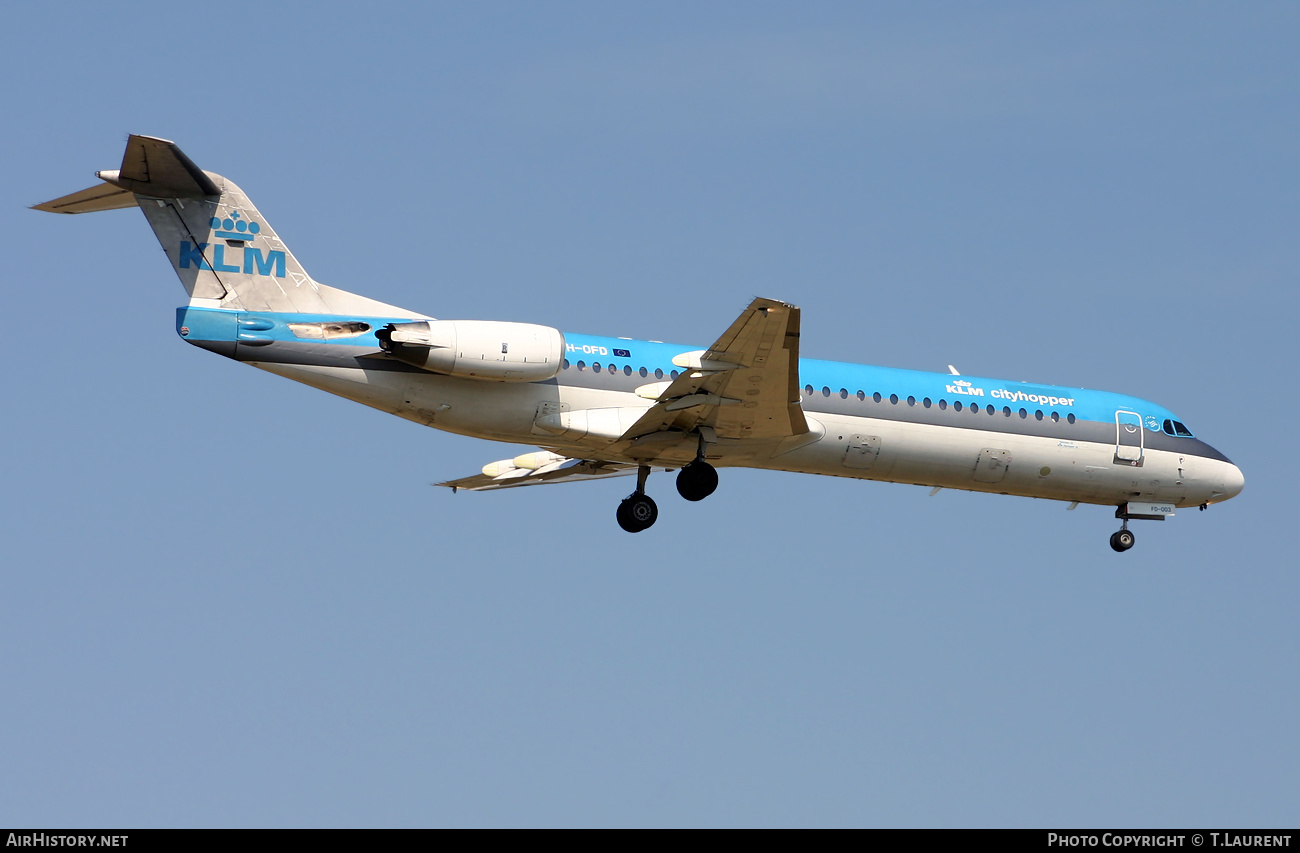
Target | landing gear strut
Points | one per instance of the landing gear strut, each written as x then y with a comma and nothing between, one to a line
638,511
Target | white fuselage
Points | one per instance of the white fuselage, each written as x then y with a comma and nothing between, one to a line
863,447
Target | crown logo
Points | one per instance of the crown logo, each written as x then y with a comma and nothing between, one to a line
962,382
235,227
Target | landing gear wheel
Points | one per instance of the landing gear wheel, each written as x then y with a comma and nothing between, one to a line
697,481
1121,540
636,513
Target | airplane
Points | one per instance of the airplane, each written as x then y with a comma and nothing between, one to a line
599,407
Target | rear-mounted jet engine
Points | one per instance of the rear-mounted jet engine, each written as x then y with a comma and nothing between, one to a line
477,349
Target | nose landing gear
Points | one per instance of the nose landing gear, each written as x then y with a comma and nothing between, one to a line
1121,540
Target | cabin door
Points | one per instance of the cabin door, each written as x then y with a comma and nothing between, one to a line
1128,437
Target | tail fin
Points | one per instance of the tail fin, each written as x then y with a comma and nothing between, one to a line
220,246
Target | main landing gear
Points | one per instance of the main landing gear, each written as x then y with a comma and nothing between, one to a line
695,482
638,510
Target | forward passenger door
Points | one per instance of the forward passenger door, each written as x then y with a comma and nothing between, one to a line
1129,440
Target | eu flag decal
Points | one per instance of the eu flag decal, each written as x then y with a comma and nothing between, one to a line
622,353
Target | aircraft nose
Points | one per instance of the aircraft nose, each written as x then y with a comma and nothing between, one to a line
1233,482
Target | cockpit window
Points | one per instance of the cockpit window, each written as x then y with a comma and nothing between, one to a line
1173,427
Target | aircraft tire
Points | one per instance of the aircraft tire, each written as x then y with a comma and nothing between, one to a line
1122,540
637,513
697,481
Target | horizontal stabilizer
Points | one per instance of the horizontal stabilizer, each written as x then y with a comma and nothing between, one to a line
157,167
96,198
150,166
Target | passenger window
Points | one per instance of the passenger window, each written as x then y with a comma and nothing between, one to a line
943,404
862,395
1006,410
659,373
926,402
673,374
595,366
893,398
990,409
1023,414
957,406
1038,415
1056,419
612,370
582,365
564,365
844,393
911,401
826,391
644,373
808,390
876,396
627,371
1070,417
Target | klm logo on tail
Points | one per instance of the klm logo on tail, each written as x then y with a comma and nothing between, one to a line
254,262
233,227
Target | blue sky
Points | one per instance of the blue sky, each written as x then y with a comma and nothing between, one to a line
230,600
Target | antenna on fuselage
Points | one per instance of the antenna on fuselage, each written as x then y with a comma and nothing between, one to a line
953,370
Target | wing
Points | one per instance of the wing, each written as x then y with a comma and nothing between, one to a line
540,468
744,386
